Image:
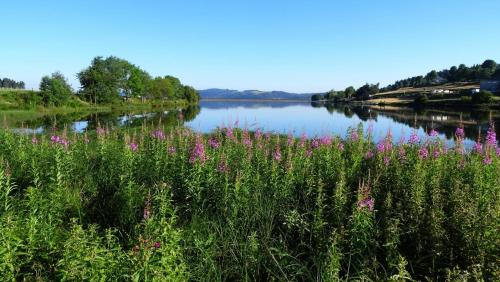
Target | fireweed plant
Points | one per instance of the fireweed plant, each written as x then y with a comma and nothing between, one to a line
168,204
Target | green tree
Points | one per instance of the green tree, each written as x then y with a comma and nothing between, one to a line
350,92
191,95
55,90
483,97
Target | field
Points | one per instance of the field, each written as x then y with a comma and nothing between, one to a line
168,204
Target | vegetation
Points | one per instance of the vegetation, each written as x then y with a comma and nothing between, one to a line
483,97
172,205
113,79
487,70
55,90
9,83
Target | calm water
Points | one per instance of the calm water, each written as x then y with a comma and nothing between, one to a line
280,117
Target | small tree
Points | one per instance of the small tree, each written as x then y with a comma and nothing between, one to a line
55,90
483,97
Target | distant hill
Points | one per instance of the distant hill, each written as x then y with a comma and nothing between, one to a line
216,93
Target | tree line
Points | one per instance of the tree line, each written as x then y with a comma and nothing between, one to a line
487,70
112,80
362,93
10,83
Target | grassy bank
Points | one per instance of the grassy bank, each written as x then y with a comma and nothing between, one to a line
173,205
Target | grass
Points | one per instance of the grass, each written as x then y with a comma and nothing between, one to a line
162,204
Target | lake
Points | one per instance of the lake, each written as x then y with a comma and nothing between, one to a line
282,117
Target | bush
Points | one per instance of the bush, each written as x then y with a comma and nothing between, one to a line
421,99
483,97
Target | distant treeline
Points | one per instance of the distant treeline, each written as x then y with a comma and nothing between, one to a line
9,83
487,70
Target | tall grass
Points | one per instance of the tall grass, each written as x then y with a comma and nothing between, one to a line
156,204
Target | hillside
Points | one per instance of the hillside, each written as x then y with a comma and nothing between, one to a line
221,94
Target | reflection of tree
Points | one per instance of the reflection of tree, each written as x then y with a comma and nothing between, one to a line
111,119
191,112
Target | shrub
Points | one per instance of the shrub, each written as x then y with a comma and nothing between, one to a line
483,97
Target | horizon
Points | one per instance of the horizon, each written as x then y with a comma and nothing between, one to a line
281,46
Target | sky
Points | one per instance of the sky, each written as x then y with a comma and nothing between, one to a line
296,46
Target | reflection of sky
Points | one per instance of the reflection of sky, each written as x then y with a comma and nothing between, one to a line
298,119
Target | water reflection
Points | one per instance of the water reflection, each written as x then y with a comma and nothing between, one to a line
282,117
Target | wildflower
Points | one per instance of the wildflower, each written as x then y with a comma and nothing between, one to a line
55,139
158,134
341,146
498,152
491,137
369,155
34,140
315,143
229,133
309,153
414,138
303,139
380,147
133,146
354,135
222,167
198,152
433,133
367,202
326,140
86,140
277,154
212,142
478,147
387,159
157,245
436,153
369,131
487,160
459,133
402,153
100,131
289,140
258,134
268,135
423,153
171,150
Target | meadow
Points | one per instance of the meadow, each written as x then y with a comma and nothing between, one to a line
168,204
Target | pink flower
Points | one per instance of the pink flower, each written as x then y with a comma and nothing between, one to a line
55,139
309,153
459,133
198,152
315,143
158,134
436,153
380,147
303,139
402,153
326,140
354,135
478,147
277,154
341,146
34,140
414,138
222,167
133,146
387,159
171,150
487,160
498,152
212,142
423,153
157,245
369,155
433,133
366,203
289,140
491,137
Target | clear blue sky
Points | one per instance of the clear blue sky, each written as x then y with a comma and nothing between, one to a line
301,46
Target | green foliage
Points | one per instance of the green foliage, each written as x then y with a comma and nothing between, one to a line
167,204
365,91
55,90
421,99
487,70
9,83
483,97
111,79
